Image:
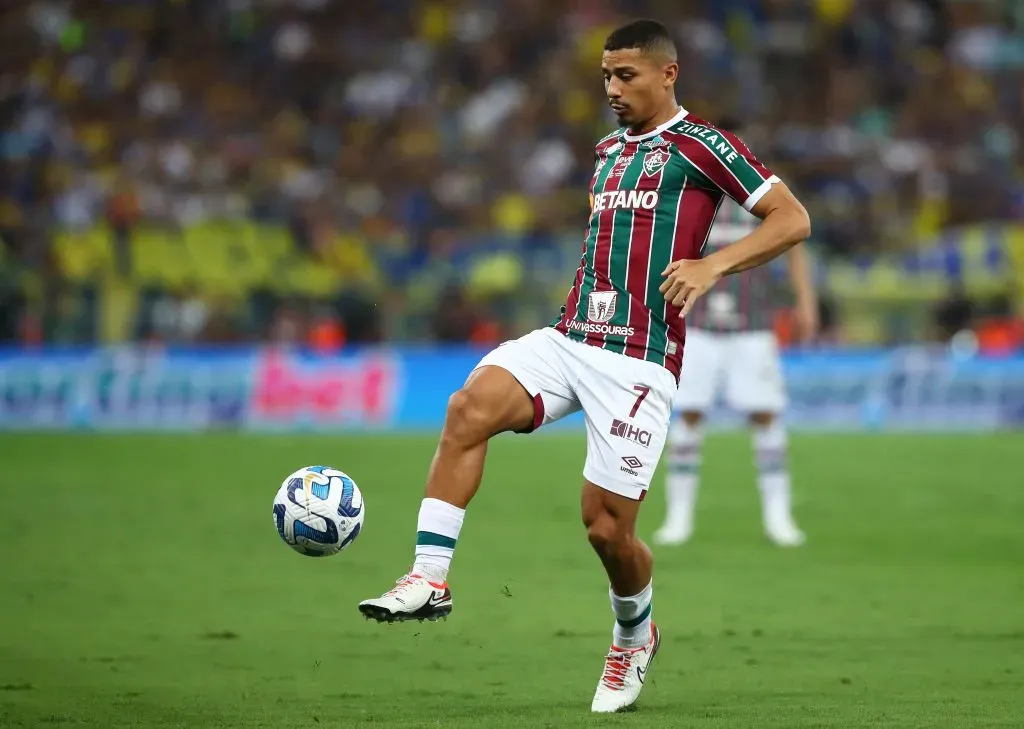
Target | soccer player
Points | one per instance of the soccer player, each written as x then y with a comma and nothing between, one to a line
616,349
729,334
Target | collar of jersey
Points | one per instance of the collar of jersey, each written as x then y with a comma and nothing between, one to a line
680,115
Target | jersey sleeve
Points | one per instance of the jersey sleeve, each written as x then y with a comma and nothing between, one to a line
730,166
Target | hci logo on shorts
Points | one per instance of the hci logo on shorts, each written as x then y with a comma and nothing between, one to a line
622,429
602,306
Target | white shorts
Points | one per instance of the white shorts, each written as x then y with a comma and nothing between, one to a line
627,403
746,366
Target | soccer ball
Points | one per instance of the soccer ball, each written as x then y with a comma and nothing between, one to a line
318,511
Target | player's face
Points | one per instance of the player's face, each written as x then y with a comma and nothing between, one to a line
636,83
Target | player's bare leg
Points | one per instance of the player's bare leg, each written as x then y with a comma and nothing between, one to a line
685,440
773,481
491,401
610,520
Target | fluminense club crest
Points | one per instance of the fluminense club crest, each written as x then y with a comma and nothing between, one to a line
601,306
654,161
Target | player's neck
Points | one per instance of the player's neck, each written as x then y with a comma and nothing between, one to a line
664,114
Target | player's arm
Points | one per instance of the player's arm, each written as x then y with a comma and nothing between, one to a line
784,223
800,277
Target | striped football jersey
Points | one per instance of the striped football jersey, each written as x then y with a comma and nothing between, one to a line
653,200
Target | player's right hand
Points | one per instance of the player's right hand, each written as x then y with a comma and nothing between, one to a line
686,281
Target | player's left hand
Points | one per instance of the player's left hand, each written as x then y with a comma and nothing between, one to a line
686,281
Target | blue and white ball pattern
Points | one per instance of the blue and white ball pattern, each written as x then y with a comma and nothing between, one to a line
318,511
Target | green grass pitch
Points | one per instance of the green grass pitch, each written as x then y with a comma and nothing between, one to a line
143,584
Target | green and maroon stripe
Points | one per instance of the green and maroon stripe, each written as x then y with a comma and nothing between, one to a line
698,207
581,280
662,238
621,247
722,157
638,271
608,222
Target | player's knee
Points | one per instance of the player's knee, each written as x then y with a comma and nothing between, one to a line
467,420
693,418
604,533
762,420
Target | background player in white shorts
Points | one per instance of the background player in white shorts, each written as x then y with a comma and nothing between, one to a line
731,350
615,349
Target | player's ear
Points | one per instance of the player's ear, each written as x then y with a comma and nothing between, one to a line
671,72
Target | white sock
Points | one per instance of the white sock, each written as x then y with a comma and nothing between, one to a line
772,470
437,531
632,618
683,480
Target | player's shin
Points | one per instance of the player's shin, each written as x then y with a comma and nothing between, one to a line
770,459
683,480
437,531
773,481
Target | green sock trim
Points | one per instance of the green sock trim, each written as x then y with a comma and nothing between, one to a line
637,620
430,539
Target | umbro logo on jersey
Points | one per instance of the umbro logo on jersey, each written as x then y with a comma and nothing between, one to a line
658,141
626,200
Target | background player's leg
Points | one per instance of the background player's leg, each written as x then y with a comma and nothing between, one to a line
491,401
773,480
756,385
610,520
685,439
699,382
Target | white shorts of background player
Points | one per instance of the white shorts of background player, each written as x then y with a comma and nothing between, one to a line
745,367
626,402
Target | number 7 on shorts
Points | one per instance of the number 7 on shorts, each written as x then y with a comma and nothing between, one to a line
643,390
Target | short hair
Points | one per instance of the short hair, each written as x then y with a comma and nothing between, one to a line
648,36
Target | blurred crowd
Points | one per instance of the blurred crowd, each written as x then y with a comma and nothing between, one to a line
336,172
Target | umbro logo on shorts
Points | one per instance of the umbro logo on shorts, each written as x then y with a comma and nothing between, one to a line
633,464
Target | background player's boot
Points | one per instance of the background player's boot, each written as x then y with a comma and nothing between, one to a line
624,674
412,598
674,531
780,527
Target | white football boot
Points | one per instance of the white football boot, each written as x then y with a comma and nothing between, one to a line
780,527
412,598
674,532
625,671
